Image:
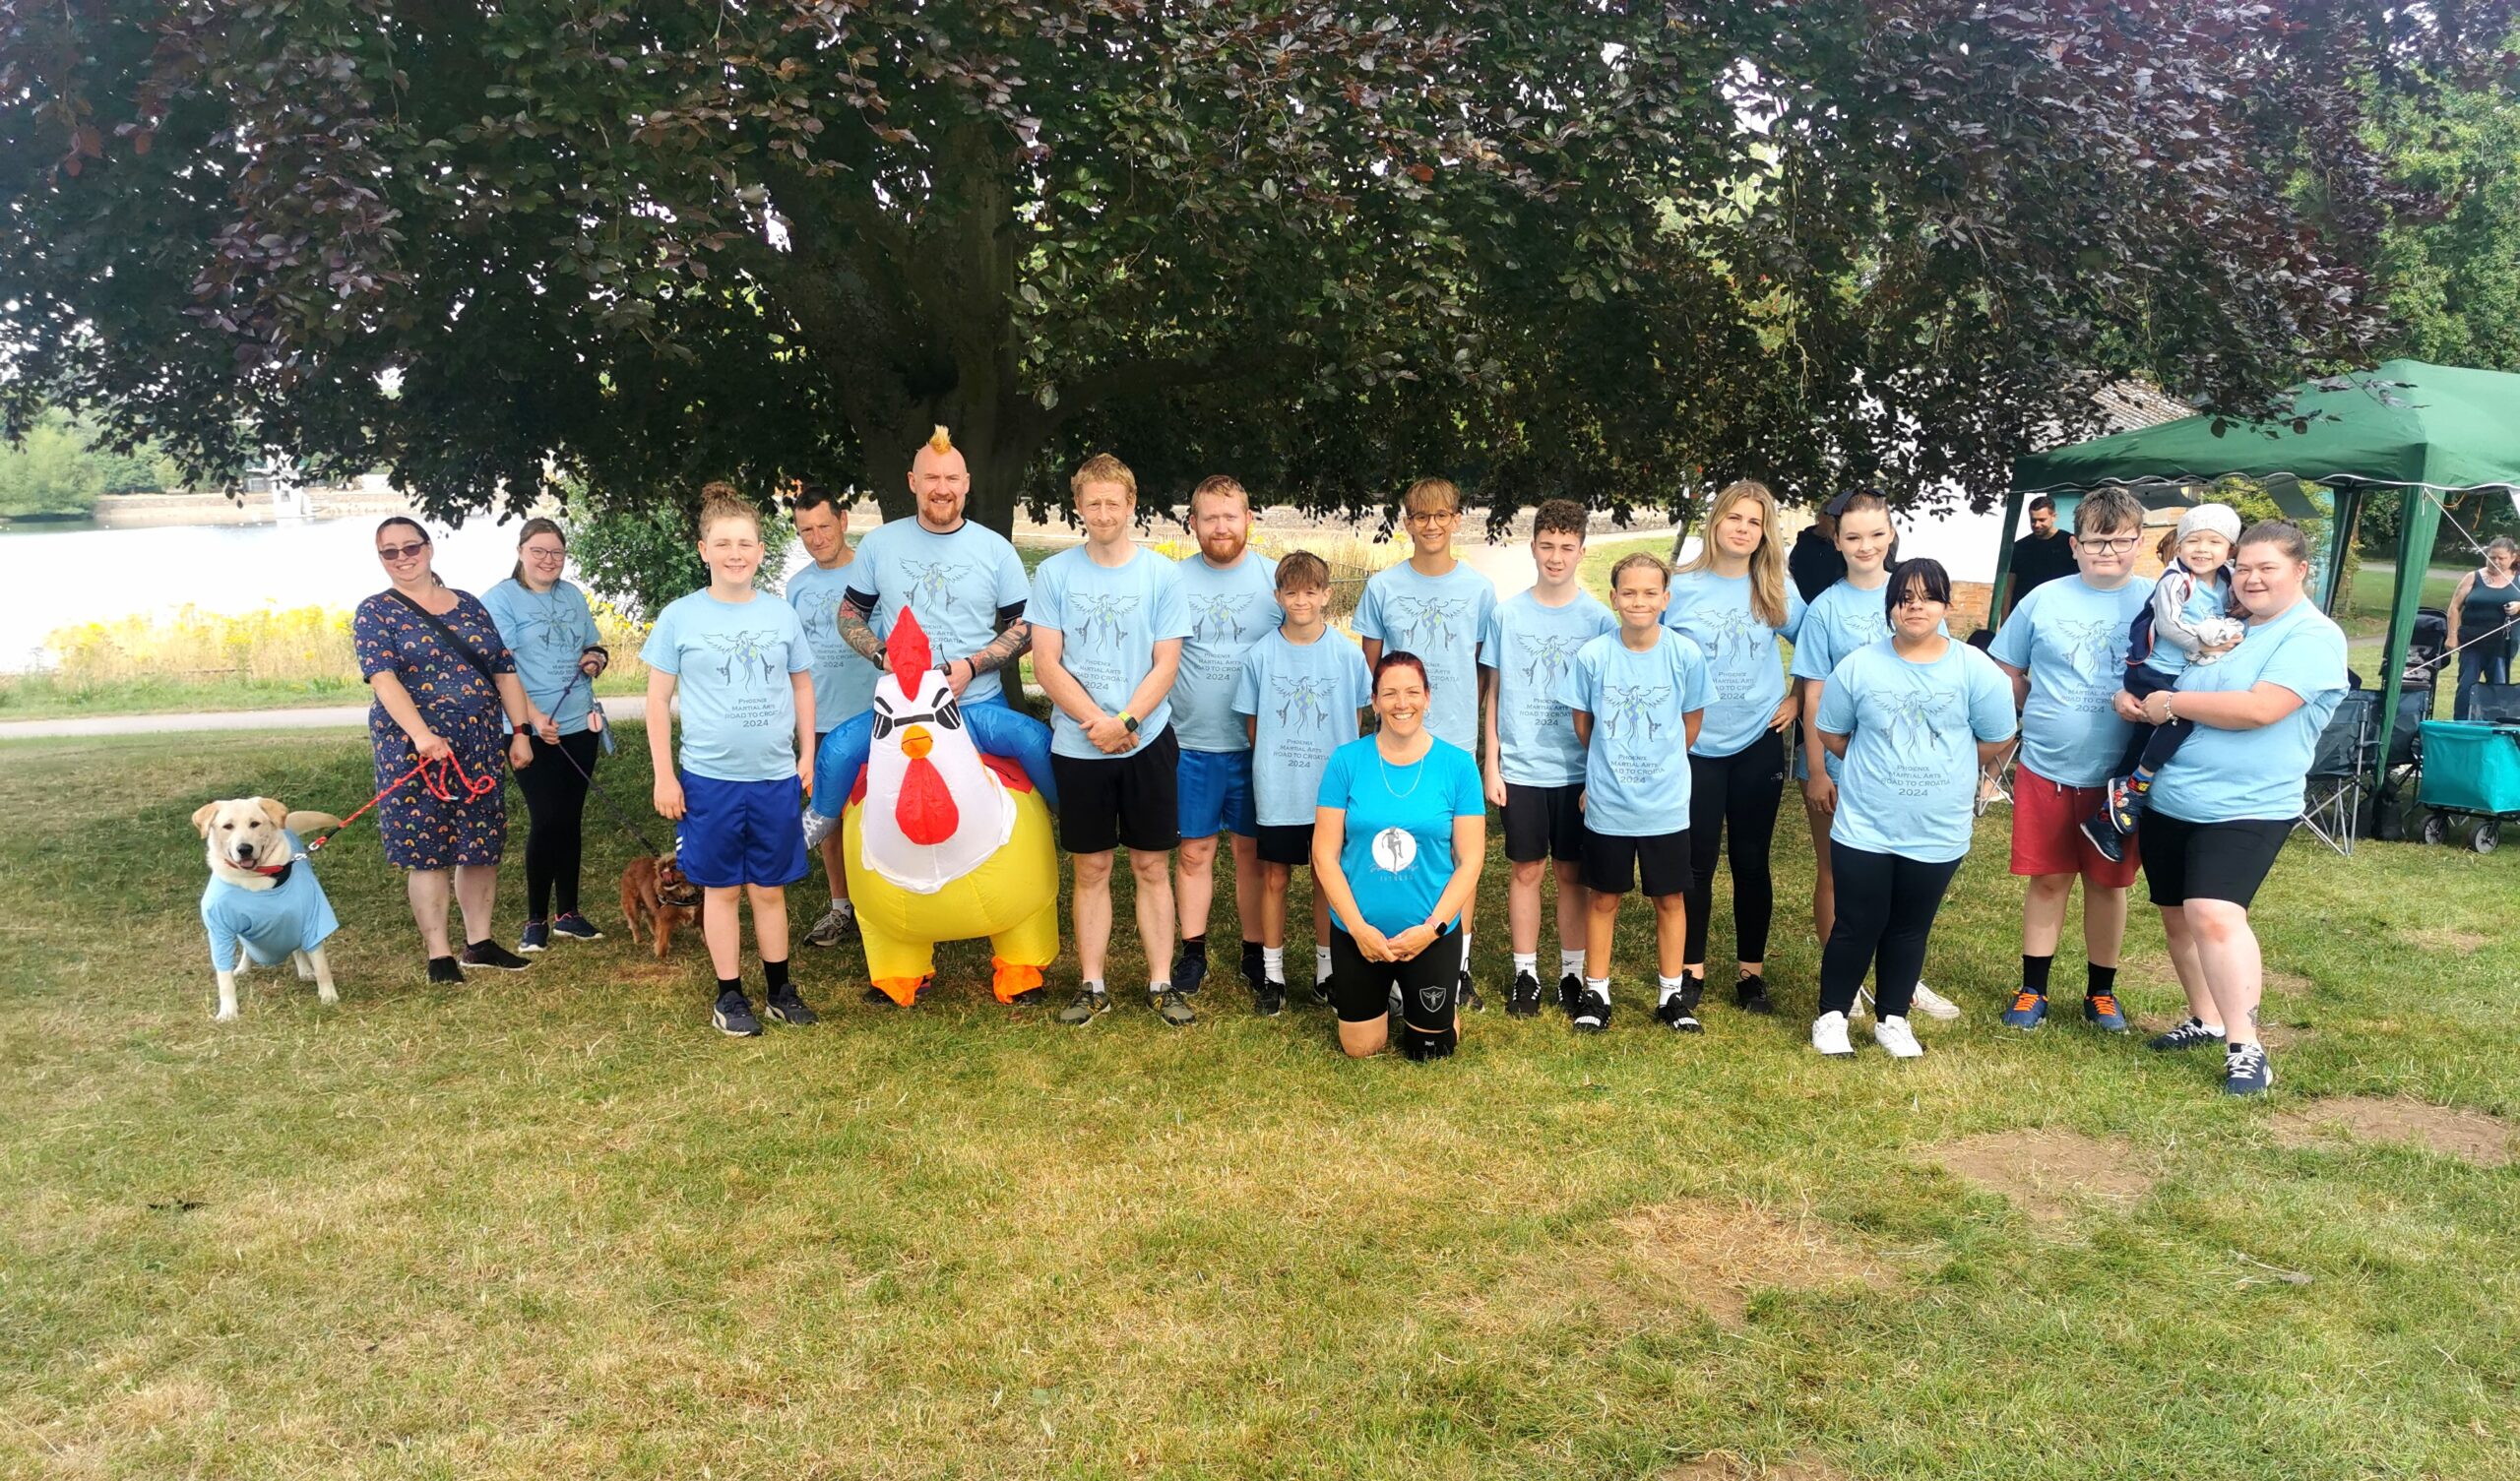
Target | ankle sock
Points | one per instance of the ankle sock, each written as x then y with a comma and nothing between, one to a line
1527,962
1599,988
774,974
1272,964
1464,952
1669,988
2034,972
1571,963
1094,985
2102,979
728,985
1320,963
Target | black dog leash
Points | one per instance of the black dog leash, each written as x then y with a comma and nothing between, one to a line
618,817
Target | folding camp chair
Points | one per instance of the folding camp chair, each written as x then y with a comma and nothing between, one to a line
2332,802
2497,703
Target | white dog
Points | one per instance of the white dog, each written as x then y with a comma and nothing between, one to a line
263,905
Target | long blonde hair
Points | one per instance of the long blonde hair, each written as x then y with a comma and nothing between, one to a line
1767,563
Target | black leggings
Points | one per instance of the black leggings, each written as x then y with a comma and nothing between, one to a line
555,798
1734,796
2151,746
1886,906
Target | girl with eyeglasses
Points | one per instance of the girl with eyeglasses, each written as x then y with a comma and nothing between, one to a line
551,629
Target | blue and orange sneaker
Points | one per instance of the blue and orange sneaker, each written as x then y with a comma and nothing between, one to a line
2101,1010
2029,1010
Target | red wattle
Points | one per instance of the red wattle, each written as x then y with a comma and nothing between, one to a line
925,810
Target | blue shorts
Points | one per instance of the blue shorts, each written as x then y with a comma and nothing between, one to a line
741,833
1216,794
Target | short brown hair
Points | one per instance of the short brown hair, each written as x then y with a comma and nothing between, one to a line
1641,558
1560,517
1102,467
1433,493
719,501
1218,483
1302,570
2107,509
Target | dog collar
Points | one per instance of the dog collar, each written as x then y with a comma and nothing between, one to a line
277,873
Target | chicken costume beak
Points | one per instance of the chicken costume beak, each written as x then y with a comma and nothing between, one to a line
917,743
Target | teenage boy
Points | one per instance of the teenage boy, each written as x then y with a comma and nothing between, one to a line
843,682
1228,589
2065,648
1107,624
1301,694
1639,695
1534,765
1434,607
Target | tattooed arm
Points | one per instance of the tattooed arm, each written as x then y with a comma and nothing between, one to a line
854,608
1013,641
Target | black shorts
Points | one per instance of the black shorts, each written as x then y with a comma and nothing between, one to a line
1289,845
2224,861
1429,991
1543,823
1130,801
1616,865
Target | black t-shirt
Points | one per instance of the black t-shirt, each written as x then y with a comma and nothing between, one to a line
1814,563
2037,562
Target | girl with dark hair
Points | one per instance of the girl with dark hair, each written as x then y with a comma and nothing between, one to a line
549,628
2483,611
442,678
1912,718
1397,838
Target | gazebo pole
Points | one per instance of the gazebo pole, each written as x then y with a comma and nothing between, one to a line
2014,498
2421,518
2345,515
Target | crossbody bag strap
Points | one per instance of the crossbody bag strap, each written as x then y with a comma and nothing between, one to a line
463,650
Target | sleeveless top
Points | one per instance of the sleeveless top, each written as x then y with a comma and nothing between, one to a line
2482,612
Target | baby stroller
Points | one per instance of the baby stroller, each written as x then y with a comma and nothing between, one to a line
2397,813
2470,784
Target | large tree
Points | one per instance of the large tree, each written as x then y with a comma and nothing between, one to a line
1595,247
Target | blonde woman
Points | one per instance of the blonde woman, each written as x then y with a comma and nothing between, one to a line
1733,600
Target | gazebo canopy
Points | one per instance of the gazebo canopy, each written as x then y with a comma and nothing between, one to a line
2403,425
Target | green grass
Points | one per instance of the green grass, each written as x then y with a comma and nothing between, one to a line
551,1225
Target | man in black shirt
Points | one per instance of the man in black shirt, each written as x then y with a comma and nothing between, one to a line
1814,561
2041,556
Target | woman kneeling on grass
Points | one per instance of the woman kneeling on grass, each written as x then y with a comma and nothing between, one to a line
1397,843
1914,718
2220,812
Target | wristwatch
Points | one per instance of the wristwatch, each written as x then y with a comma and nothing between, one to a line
1129,721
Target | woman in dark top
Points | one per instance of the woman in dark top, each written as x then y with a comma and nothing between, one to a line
2482,612
441,677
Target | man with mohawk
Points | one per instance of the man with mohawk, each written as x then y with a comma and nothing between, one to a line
963,580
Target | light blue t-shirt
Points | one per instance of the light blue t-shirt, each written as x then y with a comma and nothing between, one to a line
1306,698
731,661
547,632
1229,611
1838,622
2070,638
1530,647
1397,850
1440,619
843,681
1909,783
955,582
1636,774
2220,776
1109,618
1745,663
266,925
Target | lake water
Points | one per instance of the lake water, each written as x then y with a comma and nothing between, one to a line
54,578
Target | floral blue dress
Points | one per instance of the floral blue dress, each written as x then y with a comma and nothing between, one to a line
423,831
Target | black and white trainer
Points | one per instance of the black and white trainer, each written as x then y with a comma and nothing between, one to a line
1522,1000
2246,1070
1751,994
2191,1034
1589,1012
733,1017
1678,1012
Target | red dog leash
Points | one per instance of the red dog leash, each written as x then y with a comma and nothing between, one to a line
432,775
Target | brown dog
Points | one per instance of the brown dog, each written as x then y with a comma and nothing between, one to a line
653,892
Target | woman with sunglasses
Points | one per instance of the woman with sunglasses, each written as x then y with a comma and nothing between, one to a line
442,678
548,627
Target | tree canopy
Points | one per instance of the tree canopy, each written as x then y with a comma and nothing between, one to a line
1605,249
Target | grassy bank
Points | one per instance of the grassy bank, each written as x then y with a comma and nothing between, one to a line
551,1225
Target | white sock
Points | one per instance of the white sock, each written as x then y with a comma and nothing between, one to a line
1670,988
1320,963
1527,962
1093,984
1272,964
1599,987
1465,950
1157,989
1571,963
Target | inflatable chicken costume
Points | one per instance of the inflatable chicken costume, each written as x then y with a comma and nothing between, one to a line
941,840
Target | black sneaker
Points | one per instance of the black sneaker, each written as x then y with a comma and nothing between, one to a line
1255,967
1189,972
1470,995
788,1008
443,973
535,936
1569,988
573,926
1678,1012
733,1017
2246,1070
491,954
2192,1034
1589,1014
1751,994
1321,991
1269,998
1522,1000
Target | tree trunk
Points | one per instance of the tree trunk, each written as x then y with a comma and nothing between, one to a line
997,442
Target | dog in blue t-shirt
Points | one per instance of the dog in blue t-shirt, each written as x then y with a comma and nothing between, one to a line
263,905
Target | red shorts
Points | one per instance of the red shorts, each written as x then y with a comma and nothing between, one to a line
2048,834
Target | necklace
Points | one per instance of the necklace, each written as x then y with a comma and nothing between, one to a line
1385,763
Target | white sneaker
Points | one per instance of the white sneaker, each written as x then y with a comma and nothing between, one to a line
1892,1033
1935,1004
1829,1035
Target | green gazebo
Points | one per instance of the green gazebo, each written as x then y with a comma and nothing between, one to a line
2403,430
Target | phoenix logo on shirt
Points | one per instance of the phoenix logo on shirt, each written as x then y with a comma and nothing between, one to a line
742,654
1103,624
2089,647
1306,703
819,611
1547,655
1223,609
1631,709
548,627
1914,711
1733,634
1431,622
1864,626
933,582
